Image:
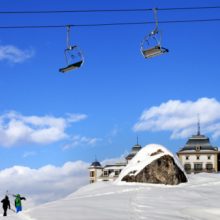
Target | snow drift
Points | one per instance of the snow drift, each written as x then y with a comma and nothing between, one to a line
197,199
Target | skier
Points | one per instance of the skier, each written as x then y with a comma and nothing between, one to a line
18,204
5,205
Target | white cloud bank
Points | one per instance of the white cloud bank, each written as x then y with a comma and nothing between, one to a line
16,128
48,183
14,54
180,118
45,184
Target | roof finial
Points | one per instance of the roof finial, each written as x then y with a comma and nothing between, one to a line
137,140
198,124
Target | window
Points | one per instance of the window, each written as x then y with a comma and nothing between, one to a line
110,171
209,157
197,157
187,167
198,148
198,166
209,166
92,173
91,181
105,173
116,172
187,157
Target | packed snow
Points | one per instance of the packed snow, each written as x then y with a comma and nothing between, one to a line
197,199
145,156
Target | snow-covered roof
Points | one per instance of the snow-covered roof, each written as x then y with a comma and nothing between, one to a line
113,167
144,157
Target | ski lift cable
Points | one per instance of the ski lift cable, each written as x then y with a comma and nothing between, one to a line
111,24
190,8
107,10
75,11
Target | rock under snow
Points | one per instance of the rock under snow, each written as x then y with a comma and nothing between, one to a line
154,164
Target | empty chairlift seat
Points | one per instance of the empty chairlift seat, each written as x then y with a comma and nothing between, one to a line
154,51
71,67
73,55
151,45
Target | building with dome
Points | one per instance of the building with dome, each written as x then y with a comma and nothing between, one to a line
134,151
95,171
110,172
198,154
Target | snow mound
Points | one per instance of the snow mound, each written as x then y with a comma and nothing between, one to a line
146,156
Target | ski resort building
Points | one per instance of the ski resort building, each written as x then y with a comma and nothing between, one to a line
198,155
111,171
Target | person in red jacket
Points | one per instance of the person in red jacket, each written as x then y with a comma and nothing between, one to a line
5,205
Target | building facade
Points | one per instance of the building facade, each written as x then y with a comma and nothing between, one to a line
95,171
198,155
110,172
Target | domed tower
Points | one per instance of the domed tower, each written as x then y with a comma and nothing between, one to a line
134,151
95,171
198,154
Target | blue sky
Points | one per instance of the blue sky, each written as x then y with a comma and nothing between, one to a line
50,118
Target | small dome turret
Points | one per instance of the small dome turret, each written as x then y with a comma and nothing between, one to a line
134,151
95,164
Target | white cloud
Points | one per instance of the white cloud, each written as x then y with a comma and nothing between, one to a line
14,54
78,140
45,184
16,128
76,117
29,154
181,117
112,134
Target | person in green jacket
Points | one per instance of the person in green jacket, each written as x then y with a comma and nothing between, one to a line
18,204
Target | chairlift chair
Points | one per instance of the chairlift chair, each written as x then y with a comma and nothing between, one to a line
151,45
153,51
71,67
73,55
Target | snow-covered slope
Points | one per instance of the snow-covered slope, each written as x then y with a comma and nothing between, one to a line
196,200
145,156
